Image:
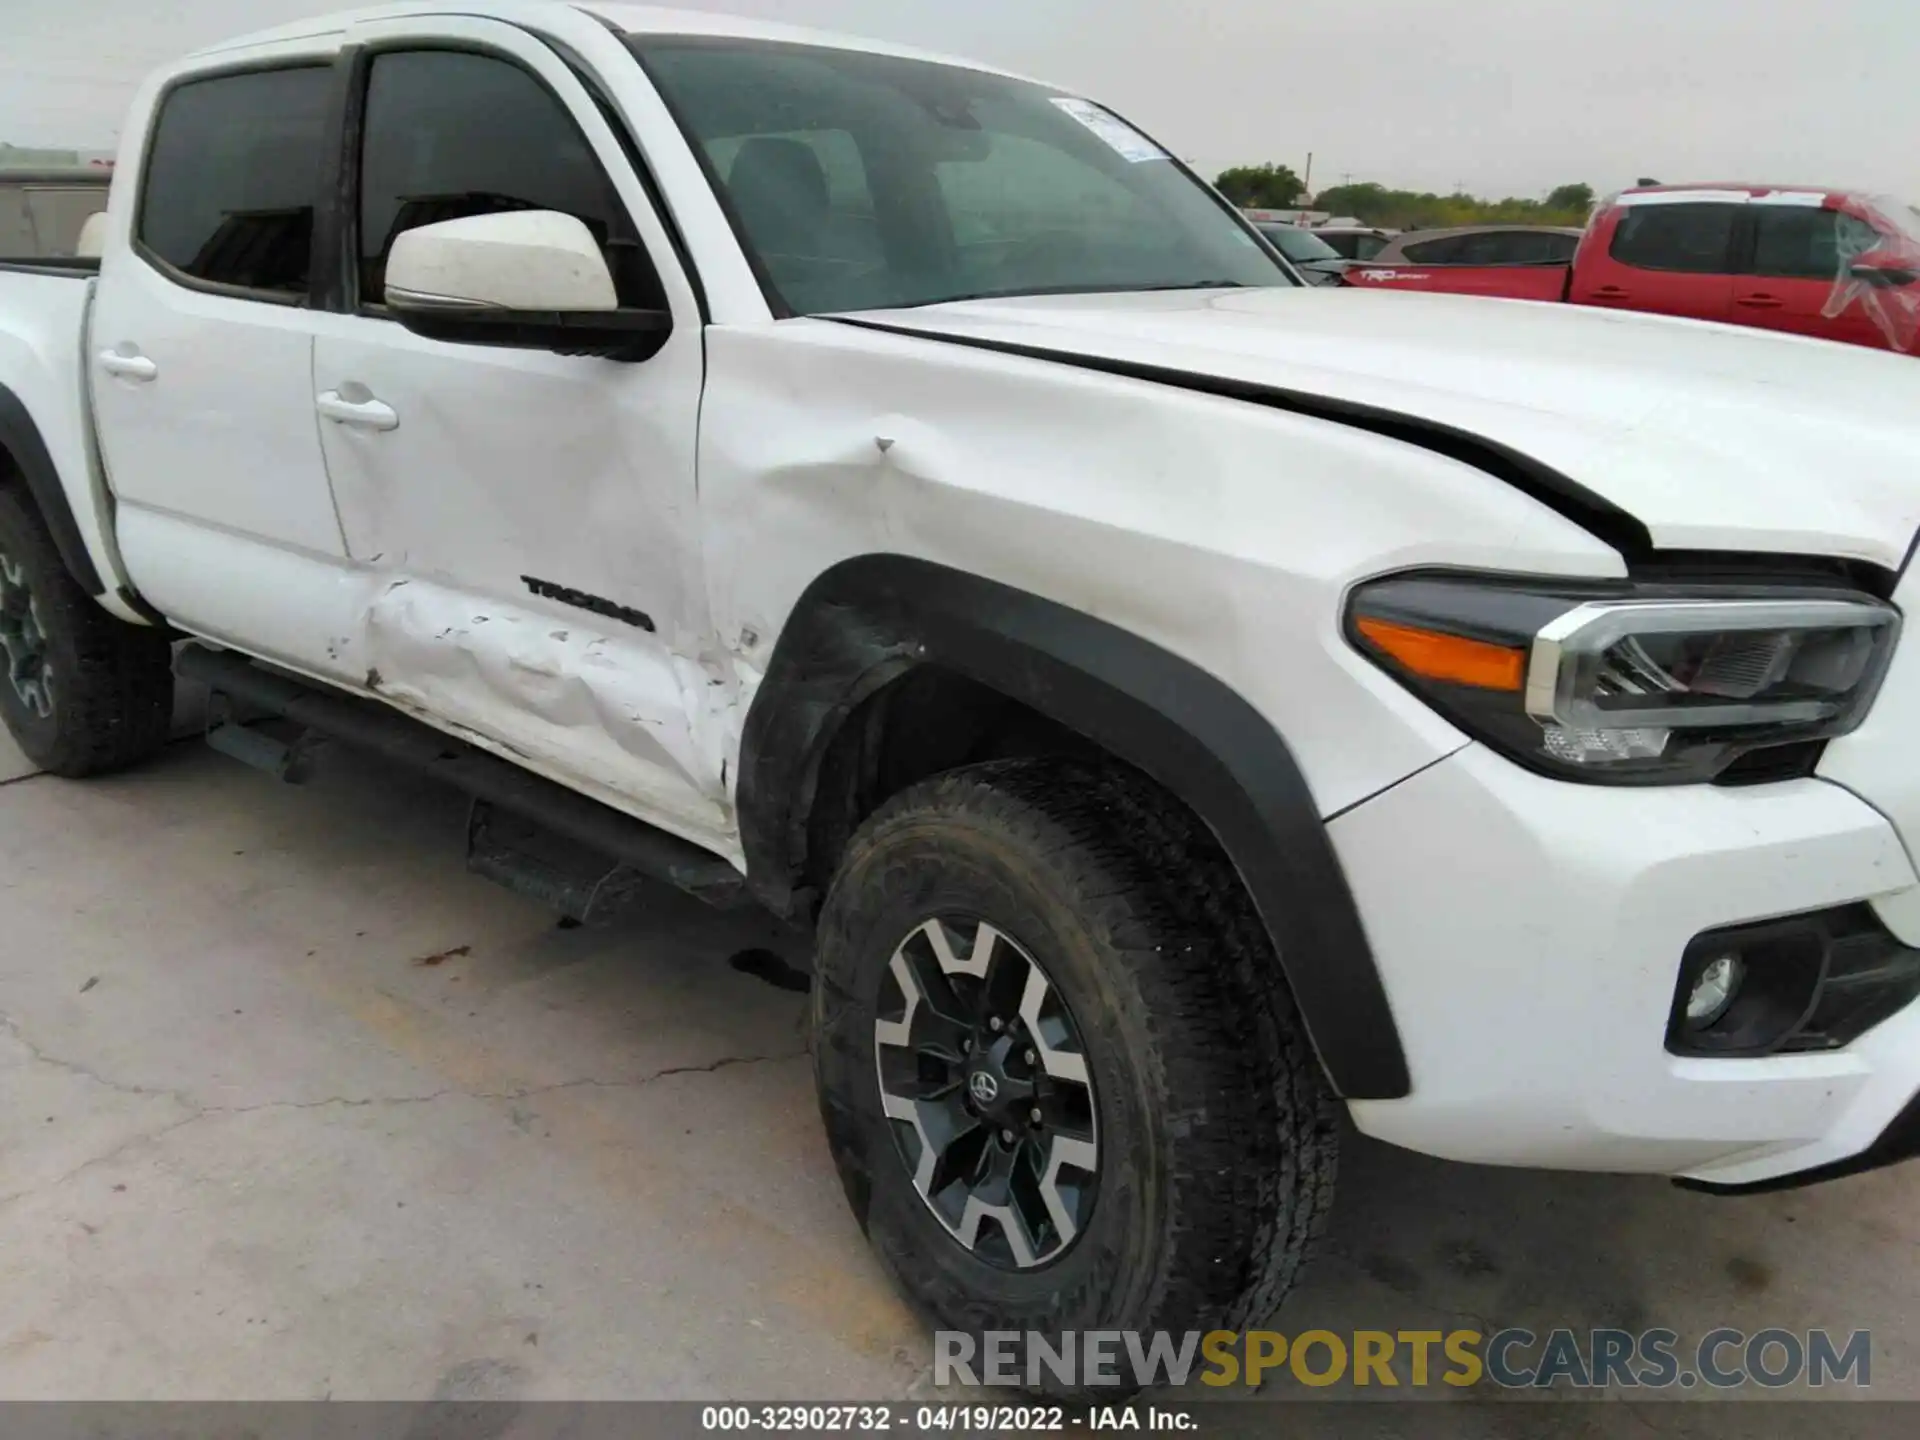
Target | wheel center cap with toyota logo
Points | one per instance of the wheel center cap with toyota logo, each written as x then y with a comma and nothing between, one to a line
983,1087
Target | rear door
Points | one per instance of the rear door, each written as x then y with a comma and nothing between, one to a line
201,349
1793,266
1669,257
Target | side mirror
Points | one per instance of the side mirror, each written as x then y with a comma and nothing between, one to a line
1884,271
528,278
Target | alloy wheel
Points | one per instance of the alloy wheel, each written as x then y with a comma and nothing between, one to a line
24,640
983,1075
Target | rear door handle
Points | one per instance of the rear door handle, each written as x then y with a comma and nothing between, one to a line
1758,302
128,365
1611,292
367,414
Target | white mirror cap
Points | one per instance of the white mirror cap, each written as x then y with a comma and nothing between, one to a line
92,243
515,260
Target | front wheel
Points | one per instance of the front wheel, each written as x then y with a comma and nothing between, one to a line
1064,1086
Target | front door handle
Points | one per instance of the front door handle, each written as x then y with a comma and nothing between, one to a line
1758,302
128,364
1612,292
365,414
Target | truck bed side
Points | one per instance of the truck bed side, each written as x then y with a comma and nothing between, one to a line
46,425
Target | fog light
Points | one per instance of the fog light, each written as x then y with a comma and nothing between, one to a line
1714,990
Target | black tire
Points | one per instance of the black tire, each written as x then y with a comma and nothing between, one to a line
81,691
1217,1133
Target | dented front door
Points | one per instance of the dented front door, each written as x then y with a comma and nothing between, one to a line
529,517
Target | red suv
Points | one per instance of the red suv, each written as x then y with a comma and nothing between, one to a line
1834,264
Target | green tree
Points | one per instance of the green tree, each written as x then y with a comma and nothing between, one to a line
1375,204
1571,197
1261,187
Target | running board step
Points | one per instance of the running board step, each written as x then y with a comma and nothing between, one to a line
580,882
558,845
251,743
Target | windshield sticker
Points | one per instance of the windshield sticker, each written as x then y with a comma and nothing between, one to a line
1125,141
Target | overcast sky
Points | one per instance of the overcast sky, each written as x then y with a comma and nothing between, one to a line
1501,96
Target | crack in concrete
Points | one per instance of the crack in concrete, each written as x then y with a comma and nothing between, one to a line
111,1154
200,1112
11,1027
1637,1411
525,1092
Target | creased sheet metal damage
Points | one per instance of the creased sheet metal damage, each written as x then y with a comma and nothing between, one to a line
644,729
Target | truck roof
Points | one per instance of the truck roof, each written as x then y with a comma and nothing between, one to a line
630,19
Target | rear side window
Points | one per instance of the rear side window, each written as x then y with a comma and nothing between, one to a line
1793,242
450,134
1492,248
232,173
1521,247
1445,251
1690,238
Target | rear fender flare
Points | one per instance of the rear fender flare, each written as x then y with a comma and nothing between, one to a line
21,443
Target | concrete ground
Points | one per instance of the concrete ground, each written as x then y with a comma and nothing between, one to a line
292,1106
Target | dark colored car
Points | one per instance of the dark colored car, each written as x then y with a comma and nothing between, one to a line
1318,262
1355,242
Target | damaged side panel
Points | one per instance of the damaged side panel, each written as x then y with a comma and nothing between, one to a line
610,709
1221,532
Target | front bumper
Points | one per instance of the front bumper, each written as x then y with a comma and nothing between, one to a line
1529,934
1899,1141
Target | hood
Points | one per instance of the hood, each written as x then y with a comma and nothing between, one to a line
1712,436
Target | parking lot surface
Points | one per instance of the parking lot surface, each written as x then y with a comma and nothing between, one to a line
295,1107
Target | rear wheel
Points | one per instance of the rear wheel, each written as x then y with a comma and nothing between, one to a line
81,691
1064,1086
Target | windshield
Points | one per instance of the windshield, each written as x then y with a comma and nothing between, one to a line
859,181
1297,244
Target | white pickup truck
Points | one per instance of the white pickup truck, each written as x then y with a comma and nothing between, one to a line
1185,704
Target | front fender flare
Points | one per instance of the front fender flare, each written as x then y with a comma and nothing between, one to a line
870,619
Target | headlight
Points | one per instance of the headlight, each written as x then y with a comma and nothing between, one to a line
1631,684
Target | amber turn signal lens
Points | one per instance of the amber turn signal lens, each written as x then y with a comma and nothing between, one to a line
1435,656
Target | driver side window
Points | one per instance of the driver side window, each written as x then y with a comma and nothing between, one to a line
449,134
